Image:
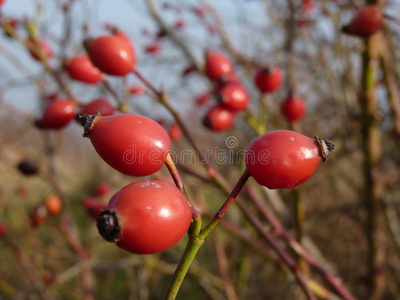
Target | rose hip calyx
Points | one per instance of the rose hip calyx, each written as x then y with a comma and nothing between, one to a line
325,146
87,121
108,226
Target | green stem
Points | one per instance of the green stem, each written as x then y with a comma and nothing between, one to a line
187,258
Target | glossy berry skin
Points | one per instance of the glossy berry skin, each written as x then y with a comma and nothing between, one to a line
57,114
53,204
112,55
132,144
81,68
151,216
282,159
234,97
217,65
93,207
368,20
102,189
101,105
219,118
293,108
44,48
268,79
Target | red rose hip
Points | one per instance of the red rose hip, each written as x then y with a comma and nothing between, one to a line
217,65
146,217
284,159
219,118
81,68
293,108
101,105
112,55
268,79
234,97
368,20
132,144
57,114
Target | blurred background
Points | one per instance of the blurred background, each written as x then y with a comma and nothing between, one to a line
346,217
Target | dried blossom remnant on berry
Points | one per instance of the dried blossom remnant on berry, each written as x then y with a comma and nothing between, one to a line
108,226
88,121
326,146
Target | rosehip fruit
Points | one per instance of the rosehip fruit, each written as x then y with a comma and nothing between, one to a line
102,189
203,99
38,215
137,89
284,159
132,144
175,132
153,48
57,114
93,207
3,229
40,46
81,68
268,79
367,21
101,105
234,97
293,108
217,65
112,55
146,217
219,118
53,204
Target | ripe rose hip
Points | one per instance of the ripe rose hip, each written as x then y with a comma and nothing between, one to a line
112,55
93,207
217,65
203,99
284,159
153,48
101,105
3,229
219,118
137,89
293,108
102,189
146,217
38,215
175,132
42,46
367,21
53,204
268,79
132,144
234,97
81,68
57,114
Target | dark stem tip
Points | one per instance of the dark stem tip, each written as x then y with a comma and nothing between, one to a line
108,226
